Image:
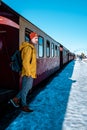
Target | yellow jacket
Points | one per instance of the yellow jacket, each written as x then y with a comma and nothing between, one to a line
28,54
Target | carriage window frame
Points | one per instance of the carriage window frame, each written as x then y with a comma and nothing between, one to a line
27,32
64,52
52,49
40,47
47,48
56,53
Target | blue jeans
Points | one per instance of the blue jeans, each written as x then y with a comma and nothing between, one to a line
27,83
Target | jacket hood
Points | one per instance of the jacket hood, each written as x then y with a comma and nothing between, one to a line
25,44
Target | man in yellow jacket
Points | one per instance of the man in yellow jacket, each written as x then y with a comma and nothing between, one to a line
28,54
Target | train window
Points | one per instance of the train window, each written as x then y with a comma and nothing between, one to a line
52,49
27,31
48,49
56,50
40,46
26,38
64,52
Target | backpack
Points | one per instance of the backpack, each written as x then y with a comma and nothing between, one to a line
16,61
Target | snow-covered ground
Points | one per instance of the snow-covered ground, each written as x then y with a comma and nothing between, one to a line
62,105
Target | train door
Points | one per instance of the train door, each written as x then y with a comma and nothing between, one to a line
68,57
9,42
61,56
8,79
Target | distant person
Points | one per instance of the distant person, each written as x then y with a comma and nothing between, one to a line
28,73
80,57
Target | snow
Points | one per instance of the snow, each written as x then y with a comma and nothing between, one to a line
61,105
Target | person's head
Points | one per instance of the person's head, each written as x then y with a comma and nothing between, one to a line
33,38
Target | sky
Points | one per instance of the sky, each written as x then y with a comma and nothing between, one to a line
63,20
